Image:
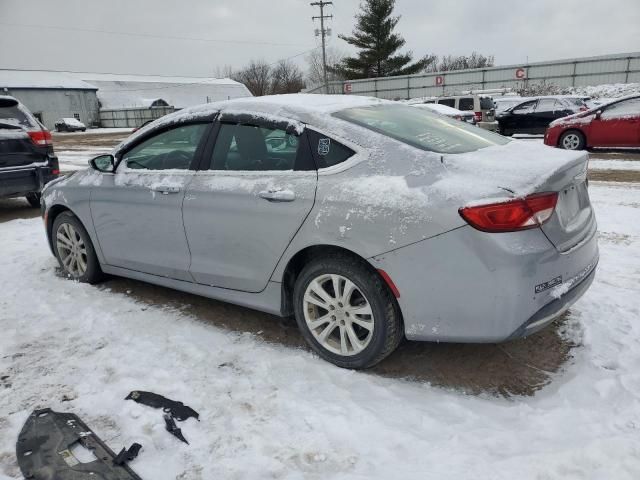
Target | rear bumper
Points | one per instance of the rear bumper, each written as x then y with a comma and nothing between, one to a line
556,308
470,286
19,181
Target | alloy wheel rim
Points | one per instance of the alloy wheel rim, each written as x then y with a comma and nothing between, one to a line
72,250
338,314
571,142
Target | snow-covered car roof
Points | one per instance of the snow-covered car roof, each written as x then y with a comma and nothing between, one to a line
295,109
443,109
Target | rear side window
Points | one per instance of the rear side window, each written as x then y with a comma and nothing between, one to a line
449,102
465,104
257,148
486,103
14,115
548,105
326,151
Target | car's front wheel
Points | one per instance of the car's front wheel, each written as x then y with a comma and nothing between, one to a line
572,140
346,312
74,250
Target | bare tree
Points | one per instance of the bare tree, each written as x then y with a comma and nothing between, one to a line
225,71
256,77
314,72
286,77
449,63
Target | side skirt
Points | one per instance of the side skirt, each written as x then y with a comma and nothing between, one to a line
268,300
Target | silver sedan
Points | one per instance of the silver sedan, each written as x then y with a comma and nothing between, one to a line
368,220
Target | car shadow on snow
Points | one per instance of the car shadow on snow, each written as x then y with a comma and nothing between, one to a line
13,208
516,368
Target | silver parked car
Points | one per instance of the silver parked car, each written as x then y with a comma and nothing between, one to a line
368,220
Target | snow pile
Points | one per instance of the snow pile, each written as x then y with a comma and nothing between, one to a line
611,90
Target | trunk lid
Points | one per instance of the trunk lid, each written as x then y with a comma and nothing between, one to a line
522,168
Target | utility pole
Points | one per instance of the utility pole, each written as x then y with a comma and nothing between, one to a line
323,32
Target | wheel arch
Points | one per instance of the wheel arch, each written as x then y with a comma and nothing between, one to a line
297,262
573,129
52,213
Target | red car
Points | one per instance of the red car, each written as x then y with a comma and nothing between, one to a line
615,124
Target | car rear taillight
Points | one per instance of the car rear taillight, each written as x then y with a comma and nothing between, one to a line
40,137
477,116
518,214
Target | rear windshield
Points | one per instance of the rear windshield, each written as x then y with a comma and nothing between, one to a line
486,103
14,115
421,128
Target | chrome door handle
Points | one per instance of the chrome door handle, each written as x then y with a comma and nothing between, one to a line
165,189
278,195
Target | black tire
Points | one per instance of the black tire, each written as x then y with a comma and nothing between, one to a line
387,319
34,199
574,138
93,272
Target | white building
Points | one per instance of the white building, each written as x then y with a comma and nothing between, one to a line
112,100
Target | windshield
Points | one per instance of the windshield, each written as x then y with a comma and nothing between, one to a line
421,128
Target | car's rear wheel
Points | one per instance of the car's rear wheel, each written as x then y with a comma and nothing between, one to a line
74,250
34,199
346,312
572,140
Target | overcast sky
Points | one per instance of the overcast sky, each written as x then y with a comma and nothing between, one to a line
206,34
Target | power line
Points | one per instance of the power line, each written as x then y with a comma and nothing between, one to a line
149,35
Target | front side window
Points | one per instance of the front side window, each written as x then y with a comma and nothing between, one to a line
626,108
252,148
421,128
172,149
465,104
524,108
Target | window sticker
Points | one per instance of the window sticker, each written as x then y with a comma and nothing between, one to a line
324,145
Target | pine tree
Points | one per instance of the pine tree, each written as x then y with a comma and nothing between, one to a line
374,36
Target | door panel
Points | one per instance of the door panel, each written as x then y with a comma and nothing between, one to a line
237,226
618,125
241,216
139,226
137,212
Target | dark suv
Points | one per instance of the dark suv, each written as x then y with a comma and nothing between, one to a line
27,161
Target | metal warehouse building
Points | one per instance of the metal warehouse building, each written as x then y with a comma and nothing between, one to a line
131,100
51,96
112,100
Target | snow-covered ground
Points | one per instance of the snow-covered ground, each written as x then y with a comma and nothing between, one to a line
268,411
597,164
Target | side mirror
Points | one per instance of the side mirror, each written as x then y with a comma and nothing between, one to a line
103,163
598,114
